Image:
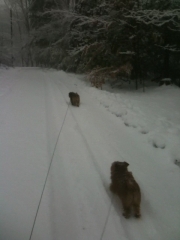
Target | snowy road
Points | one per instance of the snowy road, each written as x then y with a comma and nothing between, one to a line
39,129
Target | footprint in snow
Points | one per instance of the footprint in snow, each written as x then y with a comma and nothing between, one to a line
129,125
159,145
144,131
117,114
177,162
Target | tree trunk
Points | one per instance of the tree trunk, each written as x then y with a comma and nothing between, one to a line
166,64
12,57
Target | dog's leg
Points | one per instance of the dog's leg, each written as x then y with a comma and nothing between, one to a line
127,204
136,208
112,188
127,211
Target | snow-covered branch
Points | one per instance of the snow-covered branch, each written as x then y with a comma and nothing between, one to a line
171,48
156,17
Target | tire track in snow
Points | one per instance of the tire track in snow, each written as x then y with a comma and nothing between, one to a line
96,167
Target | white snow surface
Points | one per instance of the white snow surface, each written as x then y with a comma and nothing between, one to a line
42,135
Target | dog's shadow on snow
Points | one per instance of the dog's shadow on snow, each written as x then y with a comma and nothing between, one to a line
118,209
115,201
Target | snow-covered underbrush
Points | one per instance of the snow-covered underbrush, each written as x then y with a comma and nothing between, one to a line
3,66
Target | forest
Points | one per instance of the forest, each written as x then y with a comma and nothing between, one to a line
133,41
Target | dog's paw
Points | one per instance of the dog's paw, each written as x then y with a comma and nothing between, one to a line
137,215
126,215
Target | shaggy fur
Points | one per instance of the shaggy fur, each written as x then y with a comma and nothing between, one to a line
124,185
74,98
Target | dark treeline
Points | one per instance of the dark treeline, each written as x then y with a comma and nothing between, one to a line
121,39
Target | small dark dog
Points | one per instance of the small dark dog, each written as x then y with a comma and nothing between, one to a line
74,98
124,185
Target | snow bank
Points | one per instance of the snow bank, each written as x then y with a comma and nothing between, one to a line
155,114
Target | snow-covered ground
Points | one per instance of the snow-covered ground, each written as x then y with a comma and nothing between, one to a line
42,135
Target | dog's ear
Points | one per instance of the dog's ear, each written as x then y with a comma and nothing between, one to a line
126,164
115,165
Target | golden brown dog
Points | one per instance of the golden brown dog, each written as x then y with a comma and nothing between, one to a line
74,98
124,185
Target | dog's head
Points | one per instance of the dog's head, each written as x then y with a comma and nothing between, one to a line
120,167
72,94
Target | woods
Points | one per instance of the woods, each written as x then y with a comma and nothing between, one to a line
99,36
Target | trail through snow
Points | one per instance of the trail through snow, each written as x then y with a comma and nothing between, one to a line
38,125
